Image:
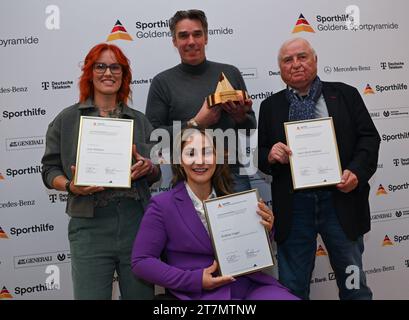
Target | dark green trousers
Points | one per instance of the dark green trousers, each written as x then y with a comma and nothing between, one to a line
103,244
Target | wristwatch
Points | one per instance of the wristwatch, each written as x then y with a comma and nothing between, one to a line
192,123
67,186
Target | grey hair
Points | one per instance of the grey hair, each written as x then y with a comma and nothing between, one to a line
287,42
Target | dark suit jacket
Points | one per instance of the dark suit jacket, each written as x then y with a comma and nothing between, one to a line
358,145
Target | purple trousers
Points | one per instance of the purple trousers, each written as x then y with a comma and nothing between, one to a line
246,289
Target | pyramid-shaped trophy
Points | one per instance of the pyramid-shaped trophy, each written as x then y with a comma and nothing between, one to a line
225,92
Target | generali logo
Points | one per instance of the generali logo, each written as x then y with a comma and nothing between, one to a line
387,242
119,33
302,25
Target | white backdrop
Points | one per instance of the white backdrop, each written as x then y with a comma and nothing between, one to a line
42,44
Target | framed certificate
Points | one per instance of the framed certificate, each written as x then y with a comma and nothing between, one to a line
315,160
104,153
241,243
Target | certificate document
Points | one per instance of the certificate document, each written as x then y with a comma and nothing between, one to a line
104,153
240,241
315,160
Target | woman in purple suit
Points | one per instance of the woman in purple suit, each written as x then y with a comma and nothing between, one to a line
174,224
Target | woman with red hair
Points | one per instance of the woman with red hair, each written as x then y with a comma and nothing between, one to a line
104,221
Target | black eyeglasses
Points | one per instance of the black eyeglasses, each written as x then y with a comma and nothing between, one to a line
100,67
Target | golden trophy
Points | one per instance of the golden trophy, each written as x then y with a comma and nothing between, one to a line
225,92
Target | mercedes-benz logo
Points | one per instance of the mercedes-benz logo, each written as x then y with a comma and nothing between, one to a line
327,69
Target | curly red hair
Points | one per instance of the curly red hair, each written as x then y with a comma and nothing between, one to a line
85,84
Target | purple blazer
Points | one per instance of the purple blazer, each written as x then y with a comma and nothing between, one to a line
171,225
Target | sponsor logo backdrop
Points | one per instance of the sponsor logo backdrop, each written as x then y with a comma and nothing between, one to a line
364,45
